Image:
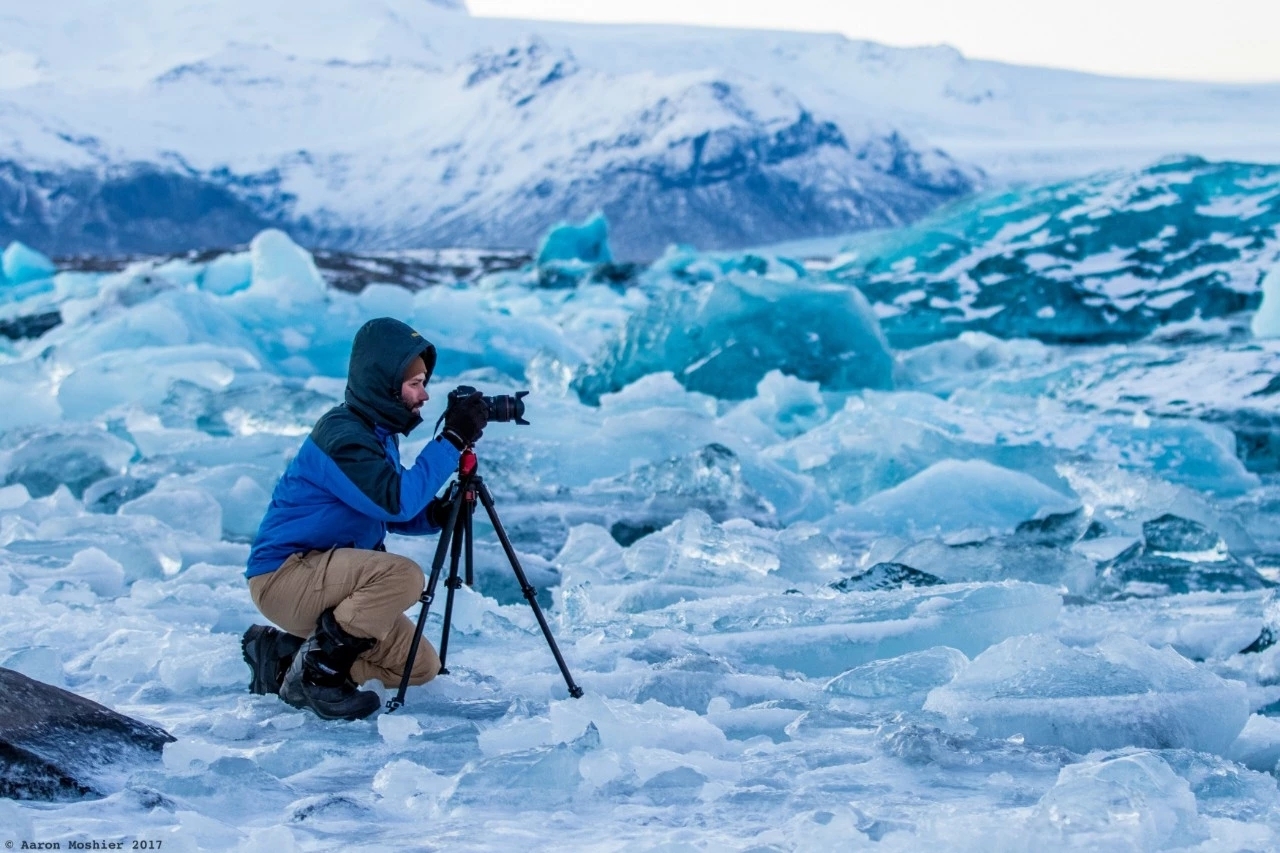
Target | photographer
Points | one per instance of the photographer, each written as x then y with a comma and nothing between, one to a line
319,568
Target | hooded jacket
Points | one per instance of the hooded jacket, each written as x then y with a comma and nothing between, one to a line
346,487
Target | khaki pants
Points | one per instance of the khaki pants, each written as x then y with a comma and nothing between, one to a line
369,591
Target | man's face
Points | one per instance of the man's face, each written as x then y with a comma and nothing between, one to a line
413,392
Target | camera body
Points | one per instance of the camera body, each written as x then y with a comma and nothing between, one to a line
502,409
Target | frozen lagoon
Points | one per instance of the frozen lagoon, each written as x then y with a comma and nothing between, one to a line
991,595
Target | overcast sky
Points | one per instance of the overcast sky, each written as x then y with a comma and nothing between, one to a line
1225,40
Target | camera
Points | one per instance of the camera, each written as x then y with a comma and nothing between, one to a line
502,408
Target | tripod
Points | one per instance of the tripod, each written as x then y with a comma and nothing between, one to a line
455,539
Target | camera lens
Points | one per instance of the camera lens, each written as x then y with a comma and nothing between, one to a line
505,407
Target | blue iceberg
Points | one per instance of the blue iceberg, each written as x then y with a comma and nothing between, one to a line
22,264
1107,258
723,337
587,243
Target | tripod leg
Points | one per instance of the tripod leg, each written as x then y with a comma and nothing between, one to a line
530,594
452,583
470,558
428,595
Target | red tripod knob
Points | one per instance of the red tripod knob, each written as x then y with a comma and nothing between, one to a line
467,464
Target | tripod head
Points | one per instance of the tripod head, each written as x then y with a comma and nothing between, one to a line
467,463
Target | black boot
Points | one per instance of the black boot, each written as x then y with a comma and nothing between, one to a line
268,653
320,676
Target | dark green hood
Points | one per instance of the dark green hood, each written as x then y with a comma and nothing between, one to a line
380,353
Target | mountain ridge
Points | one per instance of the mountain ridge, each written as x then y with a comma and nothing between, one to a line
408,123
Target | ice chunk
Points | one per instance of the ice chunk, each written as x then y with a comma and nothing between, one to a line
1137,573
1179,556
588,243
1266,322
1190,452
622,726
45,459
653,495
695,552
721,338
409,786
283,270
948,365
192,662
906,679
41,663
953,495
1270,632
104,575
1258,746
1182,538
22,264
1012,558
1130,802
1126,499
880,439
271,839
789,406
12,497
182,507
687,560
227,274
1121,693
143,546
396,729
161,378
826,636
25,387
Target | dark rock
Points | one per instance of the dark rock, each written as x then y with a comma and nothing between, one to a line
55,745
887,576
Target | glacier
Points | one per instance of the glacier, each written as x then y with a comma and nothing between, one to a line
839,559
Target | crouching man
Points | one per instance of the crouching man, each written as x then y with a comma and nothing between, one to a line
319,569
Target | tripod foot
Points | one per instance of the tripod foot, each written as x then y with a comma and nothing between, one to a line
393,705
575,692
444,670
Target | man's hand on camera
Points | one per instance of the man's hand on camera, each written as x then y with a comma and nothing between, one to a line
438,512
465,420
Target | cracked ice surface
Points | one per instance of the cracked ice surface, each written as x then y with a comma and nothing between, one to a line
999,605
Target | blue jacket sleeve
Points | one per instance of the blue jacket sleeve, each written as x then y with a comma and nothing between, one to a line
416,487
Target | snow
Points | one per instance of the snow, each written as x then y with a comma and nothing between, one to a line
1082,537
408,120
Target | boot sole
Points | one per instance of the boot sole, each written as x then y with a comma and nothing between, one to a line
304,703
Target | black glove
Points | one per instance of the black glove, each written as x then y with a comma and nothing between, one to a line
438,512
465,419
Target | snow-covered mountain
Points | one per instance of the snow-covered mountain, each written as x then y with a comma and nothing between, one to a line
406,123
